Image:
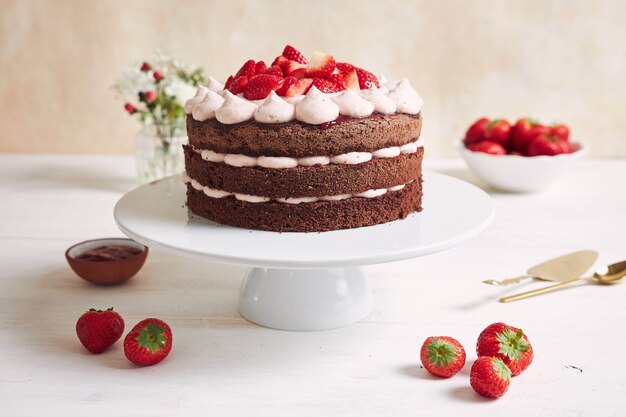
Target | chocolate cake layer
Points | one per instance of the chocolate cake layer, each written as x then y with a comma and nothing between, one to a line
304,181
296,139
308,217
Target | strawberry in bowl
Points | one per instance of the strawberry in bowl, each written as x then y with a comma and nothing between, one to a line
523,157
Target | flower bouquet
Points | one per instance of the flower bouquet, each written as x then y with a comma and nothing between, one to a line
155,92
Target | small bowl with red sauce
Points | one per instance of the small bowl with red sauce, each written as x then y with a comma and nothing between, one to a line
106,261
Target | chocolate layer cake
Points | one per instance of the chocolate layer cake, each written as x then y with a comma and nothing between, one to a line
323,146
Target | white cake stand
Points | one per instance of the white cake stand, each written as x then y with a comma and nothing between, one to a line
304,281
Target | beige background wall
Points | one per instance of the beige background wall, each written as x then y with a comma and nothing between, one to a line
555,60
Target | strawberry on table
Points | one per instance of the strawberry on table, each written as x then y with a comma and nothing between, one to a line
487,146
99,329
442,356
476,131
149,342
498,130
490,377
293,54
507,343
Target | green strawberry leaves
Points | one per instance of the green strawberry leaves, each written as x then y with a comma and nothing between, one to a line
441,353
152,337
502,370
512,344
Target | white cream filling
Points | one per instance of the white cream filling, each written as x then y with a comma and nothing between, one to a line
280,162
215,193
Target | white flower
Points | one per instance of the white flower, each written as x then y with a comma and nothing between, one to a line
181,90
133,81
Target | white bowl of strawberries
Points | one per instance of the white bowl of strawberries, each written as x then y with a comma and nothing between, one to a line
525,157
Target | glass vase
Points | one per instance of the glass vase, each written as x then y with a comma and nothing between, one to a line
159,150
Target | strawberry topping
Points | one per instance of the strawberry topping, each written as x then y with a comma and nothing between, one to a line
292,74
260,86
321,65
238,85
326,86
293,54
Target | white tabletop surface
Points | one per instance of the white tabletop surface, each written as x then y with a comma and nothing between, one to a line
223,366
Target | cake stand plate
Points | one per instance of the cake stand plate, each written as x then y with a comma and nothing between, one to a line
304,281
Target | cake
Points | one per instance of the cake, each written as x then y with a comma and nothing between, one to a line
304,147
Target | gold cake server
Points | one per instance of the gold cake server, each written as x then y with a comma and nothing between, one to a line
562,268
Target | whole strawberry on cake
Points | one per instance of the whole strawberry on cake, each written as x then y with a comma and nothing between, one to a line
304,146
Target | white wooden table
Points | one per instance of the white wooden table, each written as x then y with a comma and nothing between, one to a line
223,366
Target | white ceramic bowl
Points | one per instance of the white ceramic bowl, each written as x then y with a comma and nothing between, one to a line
520,174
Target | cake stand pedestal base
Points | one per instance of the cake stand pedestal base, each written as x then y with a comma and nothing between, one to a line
305,299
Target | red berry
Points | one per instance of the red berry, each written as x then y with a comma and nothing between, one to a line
498,130
149,342
321,65
524,131
260,67
260,86
299,87
97,329
367,80
326,86
547,145
291,67
285,84
560,131
145,67
274,70
248,69
476,131
344,67
280,60
238,85
507,343
338,80
490,377
300,73
228,82
150,96
157,76
293,54
130,108
351,80
442,356
487,146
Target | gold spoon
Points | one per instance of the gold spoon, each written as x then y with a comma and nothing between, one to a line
561,269
610,274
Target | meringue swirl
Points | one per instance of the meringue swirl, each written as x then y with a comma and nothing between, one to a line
352,105
235,110
316,108
275,110
205,110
